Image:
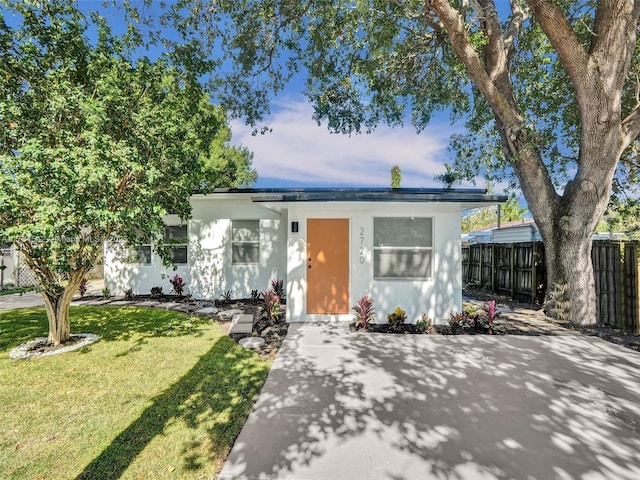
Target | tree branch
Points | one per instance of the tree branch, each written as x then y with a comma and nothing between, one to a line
518,17
559,32
630,128
463,48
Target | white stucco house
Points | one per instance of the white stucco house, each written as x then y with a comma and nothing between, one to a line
330,246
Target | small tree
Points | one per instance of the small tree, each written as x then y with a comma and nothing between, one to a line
93,146
396,176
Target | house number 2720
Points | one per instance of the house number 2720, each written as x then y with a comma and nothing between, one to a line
361,259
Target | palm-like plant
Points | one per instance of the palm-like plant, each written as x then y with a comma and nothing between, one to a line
364,311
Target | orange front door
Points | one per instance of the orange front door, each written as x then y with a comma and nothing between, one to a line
328,265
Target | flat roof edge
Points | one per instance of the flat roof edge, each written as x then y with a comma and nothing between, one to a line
363,197
460,195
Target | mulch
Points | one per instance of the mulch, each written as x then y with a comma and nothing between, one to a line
609,333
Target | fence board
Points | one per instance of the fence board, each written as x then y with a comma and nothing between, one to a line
518,271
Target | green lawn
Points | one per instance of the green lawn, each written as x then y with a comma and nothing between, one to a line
161,395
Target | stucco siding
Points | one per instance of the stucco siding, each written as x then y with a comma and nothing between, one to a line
438,296
210,271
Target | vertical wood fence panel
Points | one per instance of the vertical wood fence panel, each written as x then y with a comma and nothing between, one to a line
518,271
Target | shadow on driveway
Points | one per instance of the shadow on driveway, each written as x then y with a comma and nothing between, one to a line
350,406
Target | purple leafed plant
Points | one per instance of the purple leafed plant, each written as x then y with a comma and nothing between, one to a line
82,289
364,311
271,304
277,285
178,284
492,314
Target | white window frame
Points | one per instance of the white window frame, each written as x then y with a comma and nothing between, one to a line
173,245
400,248
242,242
133,251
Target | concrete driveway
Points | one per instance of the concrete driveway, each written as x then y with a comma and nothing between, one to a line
371,406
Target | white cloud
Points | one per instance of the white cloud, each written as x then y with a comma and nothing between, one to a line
298,151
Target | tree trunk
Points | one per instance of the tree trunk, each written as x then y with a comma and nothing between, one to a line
58,315
570,283
57,307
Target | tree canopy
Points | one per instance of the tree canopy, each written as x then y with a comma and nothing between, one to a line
547,88
95,145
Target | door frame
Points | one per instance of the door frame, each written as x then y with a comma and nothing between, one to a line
347,261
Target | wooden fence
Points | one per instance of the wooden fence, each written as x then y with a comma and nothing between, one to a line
518,271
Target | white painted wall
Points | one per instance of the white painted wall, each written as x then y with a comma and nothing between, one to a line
438,297
209,272
283,254
8,258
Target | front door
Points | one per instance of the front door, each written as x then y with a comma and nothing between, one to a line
327,265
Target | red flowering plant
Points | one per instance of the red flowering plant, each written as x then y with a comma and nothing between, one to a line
364,311
177,283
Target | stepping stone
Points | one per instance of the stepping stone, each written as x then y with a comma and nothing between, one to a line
185,309
169,305
241,328
230,313
252,342
243,319
123,302
207,311
147,303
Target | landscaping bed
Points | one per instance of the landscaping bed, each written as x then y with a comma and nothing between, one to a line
626,338
272,330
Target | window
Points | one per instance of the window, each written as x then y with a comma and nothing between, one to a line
140,254
245,241
175,236
402,247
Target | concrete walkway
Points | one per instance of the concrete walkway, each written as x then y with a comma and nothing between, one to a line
34,299
372,406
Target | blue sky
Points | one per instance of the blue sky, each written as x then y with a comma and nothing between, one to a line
298,152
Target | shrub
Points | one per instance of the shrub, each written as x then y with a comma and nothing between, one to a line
364,311
397,317
425,324
255,296
82,289
156,291
492,314
277,285
271,304
459,322
177,283
226,296
128,294
106,293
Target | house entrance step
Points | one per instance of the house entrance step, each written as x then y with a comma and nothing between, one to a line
241,328
245,318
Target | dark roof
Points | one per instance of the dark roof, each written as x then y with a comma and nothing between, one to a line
367,195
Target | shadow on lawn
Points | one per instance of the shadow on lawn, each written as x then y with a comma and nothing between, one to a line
111,323
223,383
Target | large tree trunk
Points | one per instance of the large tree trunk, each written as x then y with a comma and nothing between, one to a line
57,307
570,286
598,73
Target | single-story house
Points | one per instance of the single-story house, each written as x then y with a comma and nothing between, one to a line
330,246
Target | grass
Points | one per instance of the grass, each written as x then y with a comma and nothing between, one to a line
161,395
12,291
